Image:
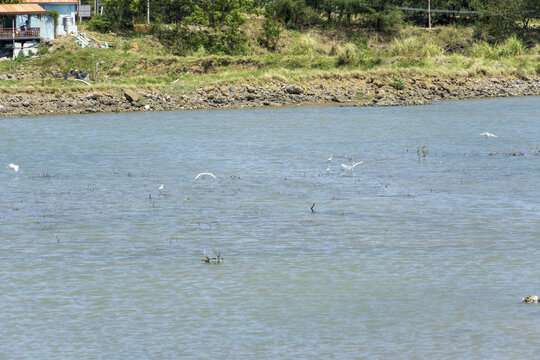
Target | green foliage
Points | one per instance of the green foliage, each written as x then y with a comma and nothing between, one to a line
346,55
100,24
303,44
386,20
270,34
361,41
398,84
498,18
120,13
407,47
54,14
431,50
43,50
531,11
482,49
294,14
512,47
203,26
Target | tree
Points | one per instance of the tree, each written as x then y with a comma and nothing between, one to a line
120,13
202,25
531,11
499,18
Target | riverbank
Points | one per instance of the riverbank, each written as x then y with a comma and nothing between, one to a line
354,90
313,67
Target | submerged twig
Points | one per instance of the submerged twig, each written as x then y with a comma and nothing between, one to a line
213,257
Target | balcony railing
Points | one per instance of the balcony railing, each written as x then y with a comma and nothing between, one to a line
17,33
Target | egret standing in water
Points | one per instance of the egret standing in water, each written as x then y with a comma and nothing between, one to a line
330,158
14,167
206,173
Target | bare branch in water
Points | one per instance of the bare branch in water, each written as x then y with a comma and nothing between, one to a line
212,257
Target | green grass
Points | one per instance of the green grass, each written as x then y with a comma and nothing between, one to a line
140,62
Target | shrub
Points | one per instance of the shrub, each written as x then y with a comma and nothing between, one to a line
361,41
100,24
293,13
270,34
512,47
483,49
346,54
498,18
304,44
386,20
398,84
431,50
409,47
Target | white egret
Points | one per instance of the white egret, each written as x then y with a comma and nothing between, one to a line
14,167
160,188
487,134
206,173
331,157
328,169
351,167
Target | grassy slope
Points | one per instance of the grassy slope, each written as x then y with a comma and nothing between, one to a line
140,62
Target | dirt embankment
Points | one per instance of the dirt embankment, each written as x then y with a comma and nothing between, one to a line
352,91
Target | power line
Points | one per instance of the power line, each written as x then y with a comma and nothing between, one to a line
437,10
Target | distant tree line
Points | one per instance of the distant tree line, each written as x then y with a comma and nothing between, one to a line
215,26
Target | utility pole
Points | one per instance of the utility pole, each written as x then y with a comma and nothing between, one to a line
429,13
148,12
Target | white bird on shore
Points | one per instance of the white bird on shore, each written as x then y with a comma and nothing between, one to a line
331,157
487,134
351,167
14,167
206,173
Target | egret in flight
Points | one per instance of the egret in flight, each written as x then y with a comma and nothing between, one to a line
351,167
14,167
487,134
206,173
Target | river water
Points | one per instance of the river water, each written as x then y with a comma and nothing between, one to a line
408,256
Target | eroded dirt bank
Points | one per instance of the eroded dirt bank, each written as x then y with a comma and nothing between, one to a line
352,91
